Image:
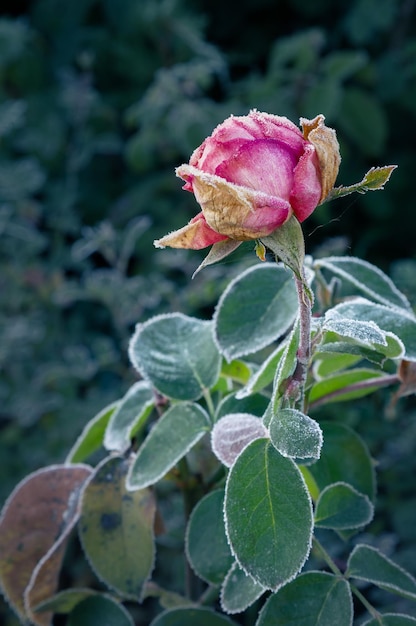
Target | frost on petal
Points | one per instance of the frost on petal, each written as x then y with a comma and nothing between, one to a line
327,147
262,164
307,188
235,211
232,433
195,235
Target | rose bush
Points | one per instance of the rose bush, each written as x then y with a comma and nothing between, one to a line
252,174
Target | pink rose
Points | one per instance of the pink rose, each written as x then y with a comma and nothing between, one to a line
252,174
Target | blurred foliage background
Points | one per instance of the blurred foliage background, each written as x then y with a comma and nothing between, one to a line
99,101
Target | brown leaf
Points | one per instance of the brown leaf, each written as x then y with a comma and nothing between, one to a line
34,526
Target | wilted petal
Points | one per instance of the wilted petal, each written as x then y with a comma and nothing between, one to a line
195,236
252,174
237,212
327,147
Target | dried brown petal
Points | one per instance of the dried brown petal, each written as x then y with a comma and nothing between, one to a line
234,211
327,147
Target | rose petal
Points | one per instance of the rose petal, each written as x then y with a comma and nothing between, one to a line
235,131
306,191
327,147
195,236
235,211
262,164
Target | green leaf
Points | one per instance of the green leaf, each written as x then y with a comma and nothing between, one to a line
334,356
391,619
91,438
268,515
286,367
239,590
64,601
129,416
167,599
367,563
374,180
236,370
255,404
365,332
195,616
367,278
206,543
309,482
313,599
99,610
328,362
344,458
295,435
397,321
264,375
172,436
177,354
255,309
116,529
344,386
288,244
341,507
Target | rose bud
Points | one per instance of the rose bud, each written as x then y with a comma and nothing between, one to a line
252,174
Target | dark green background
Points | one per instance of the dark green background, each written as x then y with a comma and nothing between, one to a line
99,101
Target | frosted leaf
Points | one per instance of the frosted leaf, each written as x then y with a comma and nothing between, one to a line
367,279
366,332
398,321
257,307
176,354
232,433
239,590
296,435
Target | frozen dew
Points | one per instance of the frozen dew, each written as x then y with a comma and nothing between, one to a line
232,433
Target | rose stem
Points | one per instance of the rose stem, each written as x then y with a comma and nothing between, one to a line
296,387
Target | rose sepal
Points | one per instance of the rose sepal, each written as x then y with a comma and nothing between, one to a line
218,252
288,244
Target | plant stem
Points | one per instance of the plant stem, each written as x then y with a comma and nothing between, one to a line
335,569
296,387
190,497
366,603
325,556
377,382
210,404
